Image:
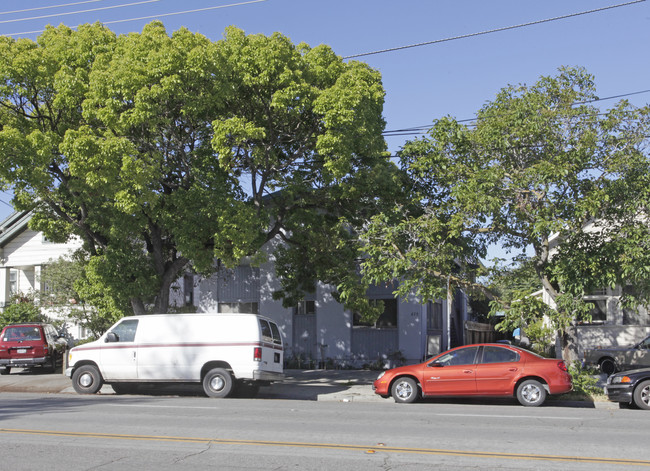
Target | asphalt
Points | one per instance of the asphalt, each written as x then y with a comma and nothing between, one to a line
307,385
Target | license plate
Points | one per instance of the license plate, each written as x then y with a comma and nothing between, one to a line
21,350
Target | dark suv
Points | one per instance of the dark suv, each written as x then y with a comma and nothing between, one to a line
30,344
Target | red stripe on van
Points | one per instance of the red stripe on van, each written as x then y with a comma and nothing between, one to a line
118,345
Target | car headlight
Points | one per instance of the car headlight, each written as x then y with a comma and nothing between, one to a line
621,379
381,375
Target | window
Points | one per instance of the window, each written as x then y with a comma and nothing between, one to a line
306,308
125,330
22,333
599,310
434,316
498,355
387,319
239,308
462,356
270,332
13,281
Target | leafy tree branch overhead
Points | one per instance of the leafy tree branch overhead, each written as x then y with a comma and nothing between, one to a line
163,152
539,163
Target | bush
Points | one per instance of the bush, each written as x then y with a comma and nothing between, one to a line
21,309
584,380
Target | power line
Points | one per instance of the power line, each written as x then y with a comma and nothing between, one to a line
154,16
422,129
79,11
496,30
48,7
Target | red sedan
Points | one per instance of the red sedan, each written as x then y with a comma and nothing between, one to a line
478,370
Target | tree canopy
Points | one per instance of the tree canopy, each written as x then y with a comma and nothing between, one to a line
537,166
166,152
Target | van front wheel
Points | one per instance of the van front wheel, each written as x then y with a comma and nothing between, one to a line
87,380
218,383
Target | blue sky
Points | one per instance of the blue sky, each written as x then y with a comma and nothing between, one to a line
454,78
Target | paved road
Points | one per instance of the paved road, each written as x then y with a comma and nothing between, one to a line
70,432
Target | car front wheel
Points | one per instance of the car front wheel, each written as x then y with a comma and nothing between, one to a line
405,390
642,395
531,393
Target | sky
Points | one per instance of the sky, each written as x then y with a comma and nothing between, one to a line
454,77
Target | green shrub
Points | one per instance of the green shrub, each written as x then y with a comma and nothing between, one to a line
584,380
21,309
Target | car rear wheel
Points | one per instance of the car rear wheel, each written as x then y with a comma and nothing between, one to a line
218,383
405,390
531,393
87,380
642,395
608,366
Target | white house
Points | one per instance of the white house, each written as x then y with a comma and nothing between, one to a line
319,331
23,254
611,324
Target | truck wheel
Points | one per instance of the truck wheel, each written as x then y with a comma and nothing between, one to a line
642,395
608,366
5,371
87,380
218,383
531,393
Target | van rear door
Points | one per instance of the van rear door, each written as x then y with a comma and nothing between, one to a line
272,350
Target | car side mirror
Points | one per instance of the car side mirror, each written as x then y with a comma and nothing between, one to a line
436,364
111,337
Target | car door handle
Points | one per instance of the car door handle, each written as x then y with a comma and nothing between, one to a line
513,369
468,371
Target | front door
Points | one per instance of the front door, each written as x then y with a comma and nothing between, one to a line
453,373
119,358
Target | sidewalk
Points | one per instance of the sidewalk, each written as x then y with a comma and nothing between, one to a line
305,385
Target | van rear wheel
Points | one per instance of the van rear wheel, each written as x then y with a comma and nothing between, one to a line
218,383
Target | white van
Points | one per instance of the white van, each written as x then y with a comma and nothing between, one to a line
224,352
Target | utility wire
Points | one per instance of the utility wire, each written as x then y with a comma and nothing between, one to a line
154,16
496,30
79,11
48,7
422,129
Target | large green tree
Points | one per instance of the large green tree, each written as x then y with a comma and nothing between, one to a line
165,152
539,163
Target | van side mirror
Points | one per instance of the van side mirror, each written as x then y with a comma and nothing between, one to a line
111,337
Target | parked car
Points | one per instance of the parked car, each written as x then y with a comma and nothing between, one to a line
30,344
478,370
612,359
630,388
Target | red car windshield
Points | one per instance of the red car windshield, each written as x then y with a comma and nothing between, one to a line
22,333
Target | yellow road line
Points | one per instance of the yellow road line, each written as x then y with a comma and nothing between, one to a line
333,446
